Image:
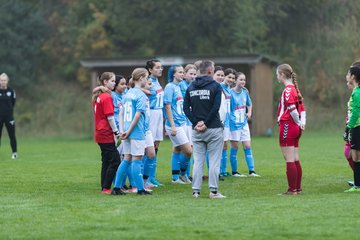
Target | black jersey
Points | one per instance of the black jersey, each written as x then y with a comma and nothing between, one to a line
7,101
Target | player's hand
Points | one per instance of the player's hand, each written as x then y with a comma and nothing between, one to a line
124,135
350,135
302,127
200,127
173,131
248,115
200,124
346,134
104,89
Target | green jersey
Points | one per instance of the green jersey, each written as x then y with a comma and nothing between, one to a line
354,108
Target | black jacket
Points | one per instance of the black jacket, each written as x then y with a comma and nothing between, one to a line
7,101
202,102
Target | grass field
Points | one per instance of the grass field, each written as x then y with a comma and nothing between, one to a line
52,192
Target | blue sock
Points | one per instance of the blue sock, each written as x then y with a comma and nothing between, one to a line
149,168
175,165
138,177
249,158
153,170
145,170
223,161
233,160
184,164
131,176
121,173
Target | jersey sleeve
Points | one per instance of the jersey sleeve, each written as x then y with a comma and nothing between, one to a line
168,94
141,103
108,106
290,96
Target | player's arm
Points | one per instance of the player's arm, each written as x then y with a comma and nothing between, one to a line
13,98
222,109
98,90
187,108
170,118
121,120
147,92
294,113
132,125
249,111
215,107
111,120
302,115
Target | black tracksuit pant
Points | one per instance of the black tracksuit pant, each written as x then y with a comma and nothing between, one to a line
9,122
110,158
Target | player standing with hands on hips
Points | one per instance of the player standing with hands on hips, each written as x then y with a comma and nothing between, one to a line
7,104
201,106
292,120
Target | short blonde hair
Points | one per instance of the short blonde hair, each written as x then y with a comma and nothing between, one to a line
4,76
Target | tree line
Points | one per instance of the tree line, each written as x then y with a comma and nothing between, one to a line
49,38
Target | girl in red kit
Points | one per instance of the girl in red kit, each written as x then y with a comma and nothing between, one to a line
105,129
292,119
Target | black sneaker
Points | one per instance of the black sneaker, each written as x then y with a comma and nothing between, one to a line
144,192
117,191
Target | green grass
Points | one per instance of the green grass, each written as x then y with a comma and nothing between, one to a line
52,192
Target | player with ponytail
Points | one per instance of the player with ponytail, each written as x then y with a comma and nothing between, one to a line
292,119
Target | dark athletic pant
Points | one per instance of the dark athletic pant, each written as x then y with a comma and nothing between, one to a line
10,126
110,162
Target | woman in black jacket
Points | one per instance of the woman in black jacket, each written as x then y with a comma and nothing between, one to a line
7,104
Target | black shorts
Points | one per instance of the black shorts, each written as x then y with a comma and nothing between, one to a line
355,138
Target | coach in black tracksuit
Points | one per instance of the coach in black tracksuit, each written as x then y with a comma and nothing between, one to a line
201,106
7,103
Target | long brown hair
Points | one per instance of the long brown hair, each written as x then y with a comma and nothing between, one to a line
287,70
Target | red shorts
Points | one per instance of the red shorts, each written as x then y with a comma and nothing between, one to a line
290,134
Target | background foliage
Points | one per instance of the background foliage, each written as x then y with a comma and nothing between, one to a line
43,41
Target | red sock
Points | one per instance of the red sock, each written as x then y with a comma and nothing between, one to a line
299,175
291,173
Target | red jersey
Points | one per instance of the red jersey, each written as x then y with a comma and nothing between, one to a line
288,102
103,107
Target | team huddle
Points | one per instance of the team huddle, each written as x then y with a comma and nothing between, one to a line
204,107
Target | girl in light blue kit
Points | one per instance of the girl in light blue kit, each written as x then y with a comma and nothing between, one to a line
241,110
156,98
190,75
149,141
226,85
132,127
175,125
117,95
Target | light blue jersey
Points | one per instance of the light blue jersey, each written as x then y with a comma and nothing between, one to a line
174,97
226,90
117,101
183,86
238,104
135,101
157,94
